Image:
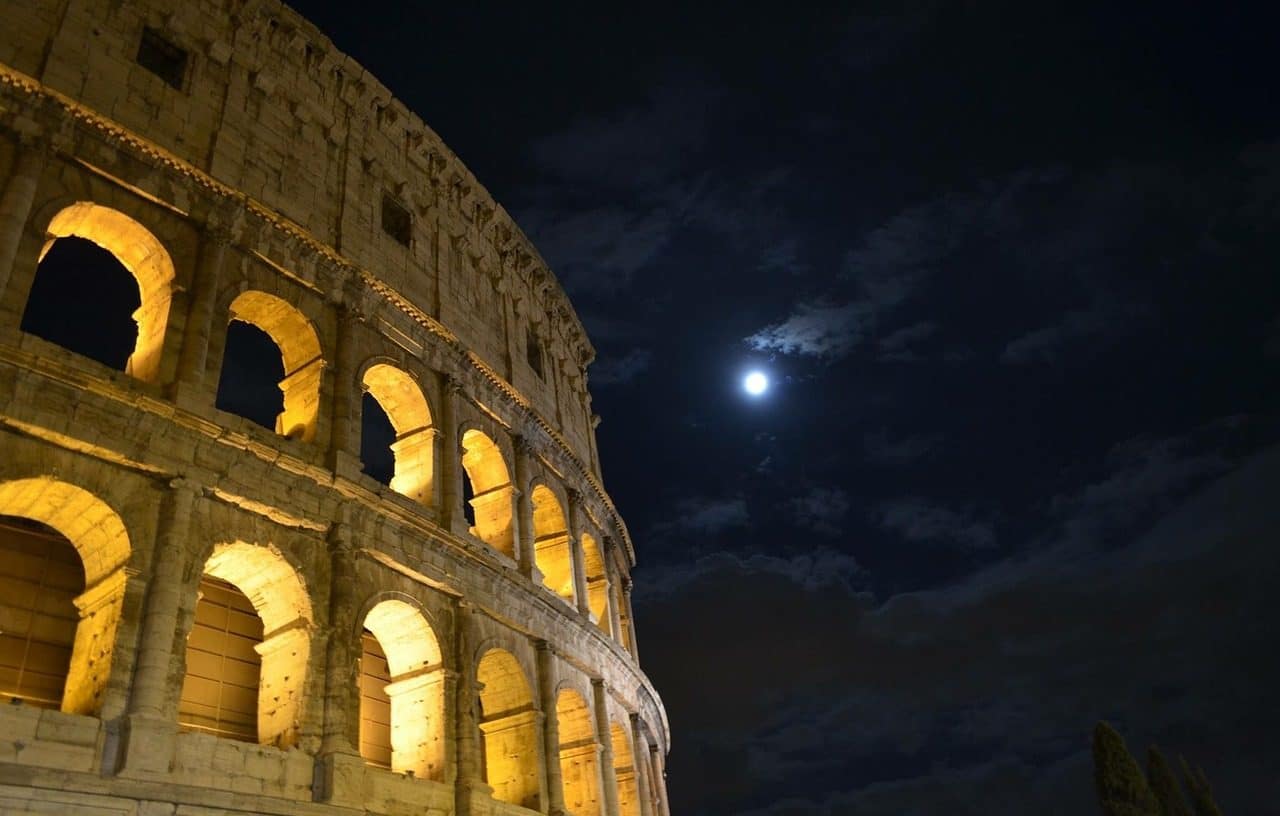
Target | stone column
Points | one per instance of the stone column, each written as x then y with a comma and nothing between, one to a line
611,570
607,775
550,728
470,776
16,201
340,653
153,704
631,619
575,551
659,781
526,557
194,357
639,759
452,517
344,433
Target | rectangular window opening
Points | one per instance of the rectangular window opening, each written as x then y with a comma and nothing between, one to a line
396,220
533,352
162,58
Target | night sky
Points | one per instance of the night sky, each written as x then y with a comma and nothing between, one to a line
1013,272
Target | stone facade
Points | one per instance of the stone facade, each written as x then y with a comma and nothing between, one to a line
242,169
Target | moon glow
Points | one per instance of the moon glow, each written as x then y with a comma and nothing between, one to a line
755,383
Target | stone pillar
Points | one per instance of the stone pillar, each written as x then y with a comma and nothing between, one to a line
470,775
575,553
631,619
16,201
153,704
639,759
659,781
550,728
344,433
452,517
611,571
607,775
340,653
194,357
526,556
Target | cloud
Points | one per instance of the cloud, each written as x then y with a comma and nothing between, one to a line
599,250
702,516
620,370
882,449
821,509
812,571
816,329
1048,344
896,347
918,520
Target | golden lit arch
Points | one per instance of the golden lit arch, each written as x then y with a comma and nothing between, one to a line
299,348
624,771
491,485
414,449
102,542
597,581
579,759
144,256
280,600
509,725
552,553
415,692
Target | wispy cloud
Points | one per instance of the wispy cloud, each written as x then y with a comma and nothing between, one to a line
620,370
883,449
916,519
821,509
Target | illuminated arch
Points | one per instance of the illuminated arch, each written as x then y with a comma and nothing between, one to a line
624,771
280,600
414,449
491,486
415,693
597,581
300,352
551,550
144,256
102,542
509,725
579,756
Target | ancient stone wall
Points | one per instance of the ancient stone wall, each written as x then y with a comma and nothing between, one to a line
241,169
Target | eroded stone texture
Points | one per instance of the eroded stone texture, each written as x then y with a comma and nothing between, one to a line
241,169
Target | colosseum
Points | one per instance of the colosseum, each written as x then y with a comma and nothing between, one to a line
203,615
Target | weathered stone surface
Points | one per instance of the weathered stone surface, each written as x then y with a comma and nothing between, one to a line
260,175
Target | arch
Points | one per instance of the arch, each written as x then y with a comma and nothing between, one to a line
551,549
415,691
280,601
490,480
140,252
579,754
509,729
414,448
597,579
102,543
299,346
624,770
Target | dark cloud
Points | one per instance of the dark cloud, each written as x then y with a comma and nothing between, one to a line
703,516
883,449
1078,327
916,519
822,510
618,370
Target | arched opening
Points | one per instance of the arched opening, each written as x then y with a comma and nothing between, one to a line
298,347
491,486
377,435
401,692
551,550
75,275
509,728
597,582
413,450
252,604
55,655
624,771
248,385
579,757
83,299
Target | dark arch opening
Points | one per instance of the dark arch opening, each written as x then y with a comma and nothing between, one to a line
376,435
83,299
468,493
40,576
252,368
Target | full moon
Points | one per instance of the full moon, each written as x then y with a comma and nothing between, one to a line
756,383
